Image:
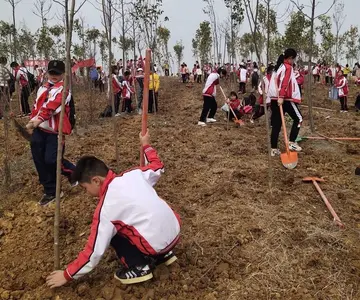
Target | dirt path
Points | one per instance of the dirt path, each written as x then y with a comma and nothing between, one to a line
282,246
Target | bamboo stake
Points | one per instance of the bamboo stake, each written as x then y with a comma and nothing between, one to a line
69,23
5,109
145,102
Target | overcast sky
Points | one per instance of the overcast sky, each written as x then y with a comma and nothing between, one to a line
184,17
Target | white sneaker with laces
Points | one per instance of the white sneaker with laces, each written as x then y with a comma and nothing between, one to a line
275,152
295,147
210,120
117,115
140,111
201,123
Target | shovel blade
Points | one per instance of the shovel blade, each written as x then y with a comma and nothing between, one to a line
289,160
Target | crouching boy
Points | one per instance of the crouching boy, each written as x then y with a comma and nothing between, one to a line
130,216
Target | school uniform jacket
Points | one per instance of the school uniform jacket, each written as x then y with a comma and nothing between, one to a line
129,206
243,75
116,85
266,79
20,74
210,85
283,84
47,107
342,85
126,89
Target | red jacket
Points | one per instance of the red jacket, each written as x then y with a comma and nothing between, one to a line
235,104
116,85
47,108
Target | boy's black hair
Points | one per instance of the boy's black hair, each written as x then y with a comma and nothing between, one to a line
290,52
114,69
234,94
3,60
14,64
88,167
270,69
127,73
222,71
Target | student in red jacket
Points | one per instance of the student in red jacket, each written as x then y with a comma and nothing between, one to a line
284,91
21,76
343,87
235,104
116,86
130,217
126,92
44,125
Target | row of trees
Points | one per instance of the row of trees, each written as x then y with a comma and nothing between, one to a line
221,41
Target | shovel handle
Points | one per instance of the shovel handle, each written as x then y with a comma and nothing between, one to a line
328,205
284,129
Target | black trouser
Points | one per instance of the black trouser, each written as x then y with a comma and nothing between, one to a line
184,78
198,79
293,111
167,73
129,255
327,80
117,102
331,80
343,103
25,93
300,89
126,105
101,86
242,87
153,97
232,116
209,108
259,111
44,152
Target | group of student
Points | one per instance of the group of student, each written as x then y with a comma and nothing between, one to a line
130,216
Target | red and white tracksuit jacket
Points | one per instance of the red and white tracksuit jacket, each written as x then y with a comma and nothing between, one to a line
266,79
129,206
127,90
210,85
342,85
242,75
47,107
20,74
116,84
283,84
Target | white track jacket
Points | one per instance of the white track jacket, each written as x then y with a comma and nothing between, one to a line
129,206
210,85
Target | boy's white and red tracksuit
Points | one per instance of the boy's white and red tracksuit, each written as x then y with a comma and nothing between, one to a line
259,110
343,87
126,91
20,74
129,207
283,84
209,94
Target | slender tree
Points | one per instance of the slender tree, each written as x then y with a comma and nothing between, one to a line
13,4
338,18
203,41
179,52
42,10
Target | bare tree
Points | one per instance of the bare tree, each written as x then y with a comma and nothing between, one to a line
13,4
210,11
312,19
69,21
339,19
42,10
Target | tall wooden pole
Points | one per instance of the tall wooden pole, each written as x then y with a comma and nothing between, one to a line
69,24
145,102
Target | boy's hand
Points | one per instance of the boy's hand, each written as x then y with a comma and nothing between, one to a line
227,101
56,279
280,101
145,140
33,124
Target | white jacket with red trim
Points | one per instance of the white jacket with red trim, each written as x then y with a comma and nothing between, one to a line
210,85
127,90
266,80
242,75
129,206
283,84
342,85
47,107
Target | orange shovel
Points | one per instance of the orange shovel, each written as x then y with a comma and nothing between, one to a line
288,159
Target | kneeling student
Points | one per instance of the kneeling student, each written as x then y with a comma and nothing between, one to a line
130,216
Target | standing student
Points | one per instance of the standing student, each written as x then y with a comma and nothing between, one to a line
5,78
209,93
127,90
101,79
342,85
21,76
299,76
255,76
183,73
154,85
44,124
140,80
167,69
242,79
198,74
116,85
284,91
316,73
130,217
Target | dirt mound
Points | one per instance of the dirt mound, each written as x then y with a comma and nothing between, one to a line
239,240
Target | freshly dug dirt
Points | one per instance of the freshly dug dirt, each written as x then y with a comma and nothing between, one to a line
240,240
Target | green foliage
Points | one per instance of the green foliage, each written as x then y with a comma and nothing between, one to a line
203,41
6,31
179,51
26,44
45,42
352,40
246,46
327,39
236,10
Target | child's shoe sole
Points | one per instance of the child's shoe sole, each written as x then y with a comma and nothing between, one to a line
135,280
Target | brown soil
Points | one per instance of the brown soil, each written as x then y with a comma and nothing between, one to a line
239,241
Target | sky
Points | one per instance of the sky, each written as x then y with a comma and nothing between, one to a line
184,17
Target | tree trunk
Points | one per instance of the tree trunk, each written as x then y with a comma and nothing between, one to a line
268,33
309,85
123,34
69,27
14,32
5,98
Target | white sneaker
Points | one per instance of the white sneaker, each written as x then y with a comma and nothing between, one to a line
345,111
140,111
201,123
210,120
117,115
275,152
295,147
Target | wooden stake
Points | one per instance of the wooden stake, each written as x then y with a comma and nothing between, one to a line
69,24
145,102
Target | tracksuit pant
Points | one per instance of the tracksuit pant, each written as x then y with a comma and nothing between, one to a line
242,87
343,103
117,102
153,98
126,106
44,152
24,97
129,255
209,108
293,111
238,115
